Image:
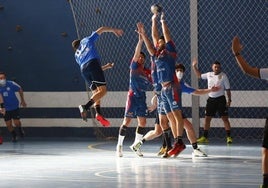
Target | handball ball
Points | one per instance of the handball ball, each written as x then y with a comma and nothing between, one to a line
156,8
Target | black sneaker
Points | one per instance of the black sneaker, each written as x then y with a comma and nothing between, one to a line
14,136
21,132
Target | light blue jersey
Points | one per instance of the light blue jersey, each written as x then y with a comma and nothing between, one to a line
87,50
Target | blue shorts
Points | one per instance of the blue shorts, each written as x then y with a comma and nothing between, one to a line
171,97
136,105
93,74
160,106
12,114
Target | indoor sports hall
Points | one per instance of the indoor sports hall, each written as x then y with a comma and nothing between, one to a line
59,149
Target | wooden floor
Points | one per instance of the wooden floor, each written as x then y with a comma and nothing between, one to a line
84,163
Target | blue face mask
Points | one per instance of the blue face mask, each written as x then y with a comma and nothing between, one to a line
3,82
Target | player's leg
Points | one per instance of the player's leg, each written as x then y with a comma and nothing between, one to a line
129,114
223,112
211,108
122,135
17,122
10,128
197,152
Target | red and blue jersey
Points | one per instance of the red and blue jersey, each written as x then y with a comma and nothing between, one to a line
165,62
87,50
9,95
139,78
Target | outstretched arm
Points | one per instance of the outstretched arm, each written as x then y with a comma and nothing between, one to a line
145,38
155,35
196,71
139,45
206,91
104,29
244,66
165,29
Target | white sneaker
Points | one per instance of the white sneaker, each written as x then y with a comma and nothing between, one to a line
119,151
199,153
136,148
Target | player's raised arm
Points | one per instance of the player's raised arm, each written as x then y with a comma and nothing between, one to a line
244,66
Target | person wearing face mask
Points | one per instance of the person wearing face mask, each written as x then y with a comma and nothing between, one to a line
8,90
185,88
216,101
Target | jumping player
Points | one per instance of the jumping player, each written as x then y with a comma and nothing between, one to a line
136,106
88,60
163,49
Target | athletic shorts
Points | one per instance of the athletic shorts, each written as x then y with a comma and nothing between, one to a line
265,135
215,105
171,97
12,114
93,74
136,105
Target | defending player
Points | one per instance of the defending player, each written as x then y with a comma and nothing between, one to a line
260,73
136,99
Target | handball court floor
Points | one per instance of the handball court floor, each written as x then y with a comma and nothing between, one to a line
71,163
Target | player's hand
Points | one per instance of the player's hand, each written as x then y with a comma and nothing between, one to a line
236,46
118,32
151,108
215,88
109,65
162,18
154,17
195,62
23,104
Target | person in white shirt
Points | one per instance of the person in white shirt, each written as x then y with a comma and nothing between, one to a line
260,73
217,101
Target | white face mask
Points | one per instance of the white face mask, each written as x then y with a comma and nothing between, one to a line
179,75
3,82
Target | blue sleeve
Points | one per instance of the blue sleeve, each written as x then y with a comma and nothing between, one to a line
186,89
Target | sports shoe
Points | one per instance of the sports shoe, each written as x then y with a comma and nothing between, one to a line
136,148
176,150
202,139
1,140
83,112
199,153
166,155
21,131
119,151
162,151
229,140
14,138
102,120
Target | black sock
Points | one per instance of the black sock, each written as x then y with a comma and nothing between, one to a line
179,140
167,137
140,130
123,130
206,133
194,145
228,133
89,104
265,179
97,109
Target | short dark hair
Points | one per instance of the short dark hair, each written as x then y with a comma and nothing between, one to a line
75,44
1,72
180,66
217,63
143,54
